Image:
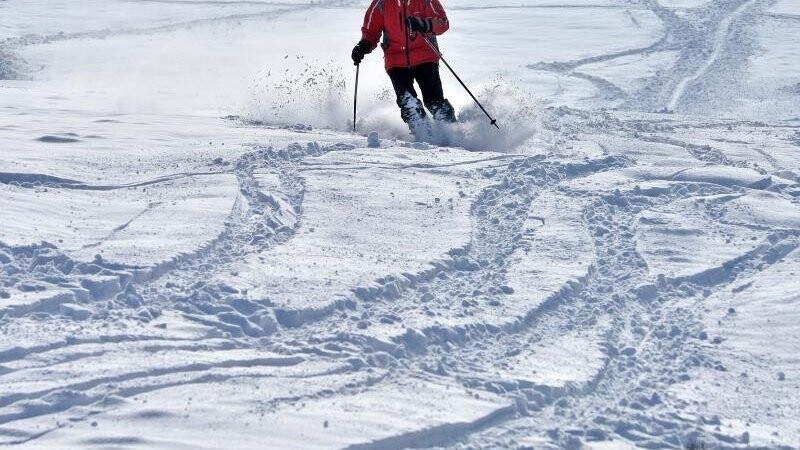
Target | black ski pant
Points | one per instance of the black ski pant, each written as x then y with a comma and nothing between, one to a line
426,75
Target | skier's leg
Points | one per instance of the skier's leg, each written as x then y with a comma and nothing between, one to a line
430,83
403,83
427,76
411,110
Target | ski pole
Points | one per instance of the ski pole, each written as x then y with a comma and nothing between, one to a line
355,99
436,49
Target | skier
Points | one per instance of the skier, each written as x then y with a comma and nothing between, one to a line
404,24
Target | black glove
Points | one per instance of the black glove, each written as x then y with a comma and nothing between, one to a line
419,24
361,49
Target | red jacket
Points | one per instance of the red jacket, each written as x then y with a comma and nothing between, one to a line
403,48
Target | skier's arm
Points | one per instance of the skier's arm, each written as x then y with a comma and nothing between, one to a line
372,29
439,22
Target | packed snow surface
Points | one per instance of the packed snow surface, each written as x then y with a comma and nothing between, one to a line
197,252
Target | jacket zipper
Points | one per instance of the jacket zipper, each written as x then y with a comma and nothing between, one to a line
405,27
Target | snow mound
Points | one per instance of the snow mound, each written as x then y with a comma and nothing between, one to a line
725,176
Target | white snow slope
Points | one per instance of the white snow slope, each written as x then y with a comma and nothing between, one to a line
197,253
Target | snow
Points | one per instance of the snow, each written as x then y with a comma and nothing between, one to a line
631,72
682,3
771,82
562,34
384,418
56,17
559,253
567,360
669,238
136,225
754,322
785,7
356,230
197,251
725,176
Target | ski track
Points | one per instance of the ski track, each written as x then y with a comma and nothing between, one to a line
614,274
646,326
658,342
482,260
608,298
702,39
550,6
790,17
720,41
104,34
11,65
36,180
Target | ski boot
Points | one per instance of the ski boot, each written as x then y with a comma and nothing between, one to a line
443,117
442,111
413,114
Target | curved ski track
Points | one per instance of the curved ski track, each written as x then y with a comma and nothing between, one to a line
661,331
645,343
702,36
